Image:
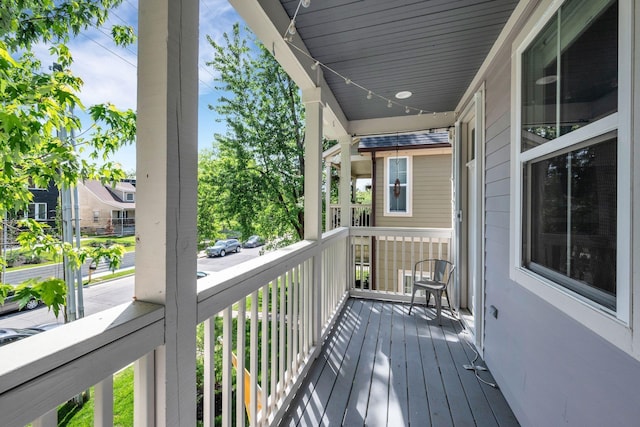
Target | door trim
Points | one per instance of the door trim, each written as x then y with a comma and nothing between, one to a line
473,111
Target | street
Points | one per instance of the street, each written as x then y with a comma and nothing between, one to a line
109,294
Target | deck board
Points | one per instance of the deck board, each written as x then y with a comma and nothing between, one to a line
381,367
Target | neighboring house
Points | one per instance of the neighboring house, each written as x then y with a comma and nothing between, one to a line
44,205
410,176
107,209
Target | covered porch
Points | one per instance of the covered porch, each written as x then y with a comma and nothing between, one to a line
289,316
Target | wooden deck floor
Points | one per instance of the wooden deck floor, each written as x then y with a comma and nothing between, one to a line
382,367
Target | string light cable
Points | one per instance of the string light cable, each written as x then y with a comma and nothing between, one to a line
291,30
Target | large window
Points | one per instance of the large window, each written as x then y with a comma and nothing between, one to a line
569,150
398,186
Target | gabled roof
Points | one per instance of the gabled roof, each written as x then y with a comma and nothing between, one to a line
404,141
106,196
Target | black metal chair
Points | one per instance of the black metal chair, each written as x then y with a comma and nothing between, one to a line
436,281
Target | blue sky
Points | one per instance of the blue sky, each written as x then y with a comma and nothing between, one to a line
109,72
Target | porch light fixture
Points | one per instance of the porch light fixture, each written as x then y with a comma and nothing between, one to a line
292,27
396,184
404,94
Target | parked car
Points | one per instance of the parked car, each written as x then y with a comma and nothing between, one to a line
223,247
201,274
12,303
9,335
253,242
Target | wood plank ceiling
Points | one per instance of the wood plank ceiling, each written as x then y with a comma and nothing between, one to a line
432,48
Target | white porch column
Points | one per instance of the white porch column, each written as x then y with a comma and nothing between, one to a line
313,165
328,217
345,180
166,173
313,196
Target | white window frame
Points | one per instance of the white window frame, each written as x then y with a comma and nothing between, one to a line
614,326
409,186
36,211
129,197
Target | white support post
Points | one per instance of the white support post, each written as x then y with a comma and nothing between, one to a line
166,238
345,181
313,196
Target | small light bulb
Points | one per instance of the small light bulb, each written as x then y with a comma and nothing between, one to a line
389,104
406,110
347,81
420,113
369,95
315,65
292,28
306,3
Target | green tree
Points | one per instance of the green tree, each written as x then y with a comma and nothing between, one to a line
37,105
254,174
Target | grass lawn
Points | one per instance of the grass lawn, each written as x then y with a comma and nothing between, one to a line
74,416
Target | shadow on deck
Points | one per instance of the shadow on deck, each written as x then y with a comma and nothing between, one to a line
382,367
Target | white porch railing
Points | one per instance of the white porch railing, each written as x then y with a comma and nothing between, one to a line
360,216
286,321
383,258
284,303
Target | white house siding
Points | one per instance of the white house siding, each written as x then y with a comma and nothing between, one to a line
552,370
431,200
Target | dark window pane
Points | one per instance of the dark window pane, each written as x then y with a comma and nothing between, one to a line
584,37
398,204
588,66
570,235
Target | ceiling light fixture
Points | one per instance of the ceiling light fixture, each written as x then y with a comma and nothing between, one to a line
305,3
404,94
369,95
406,110
315,65
547,80
389,104
347,81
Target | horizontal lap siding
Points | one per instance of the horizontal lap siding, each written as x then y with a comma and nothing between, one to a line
431,179
551,369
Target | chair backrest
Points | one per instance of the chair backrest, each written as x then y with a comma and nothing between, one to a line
440,270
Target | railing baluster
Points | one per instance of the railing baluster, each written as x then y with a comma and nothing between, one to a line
209,414
289,323
295,285
274,344
103,403
281,353
264,353
50,419
227,403
240,352
253,359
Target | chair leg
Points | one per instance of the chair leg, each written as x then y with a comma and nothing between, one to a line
413,295
438,296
